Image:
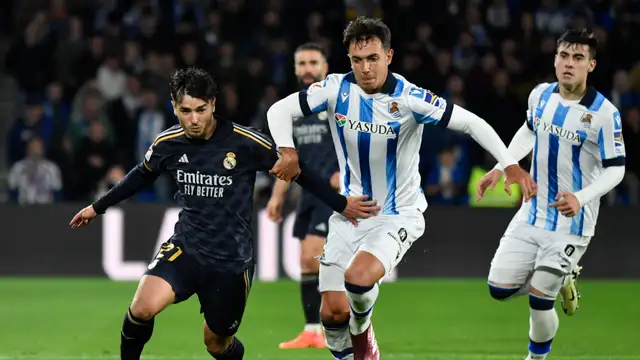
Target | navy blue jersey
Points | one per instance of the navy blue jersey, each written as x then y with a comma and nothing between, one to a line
314,144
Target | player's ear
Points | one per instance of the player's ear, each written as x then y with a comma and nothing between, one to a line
213,105
389,56
592,65
173,105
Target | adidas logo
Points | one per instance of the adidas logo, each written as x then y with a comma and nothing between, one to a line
321,227
184,159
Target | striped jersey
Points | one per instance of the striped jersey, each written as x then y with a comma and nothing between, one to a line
377,137
574,141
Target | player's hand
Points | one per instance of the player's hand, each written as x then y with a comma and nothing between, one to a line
287,167
359,207
335,180
488,181
274,209
516,175
567,204
83,217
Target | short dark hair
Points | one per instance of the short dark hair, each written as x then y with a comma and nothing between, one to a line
580,37
312,46
366,29
194,82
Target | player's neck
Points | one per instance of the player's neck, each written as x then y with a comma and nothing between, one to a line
573,92
212,128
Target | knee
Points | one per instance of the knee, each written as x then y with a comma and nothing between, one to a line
216,344
538,300
502,291
360,274
334,310
143,310
545,286
309,263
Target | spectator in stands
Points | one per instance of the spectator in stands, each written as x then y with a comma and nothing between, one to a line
33,124
94,157
446,183
35,179
485,55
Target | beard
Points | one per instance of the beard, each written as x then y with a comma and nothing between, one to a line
302,85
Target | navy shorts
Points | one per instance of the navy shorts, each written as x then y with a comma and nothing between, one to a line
222,293
312,218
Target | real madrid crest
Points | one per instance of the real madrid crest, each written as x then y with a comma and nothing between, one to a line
230,161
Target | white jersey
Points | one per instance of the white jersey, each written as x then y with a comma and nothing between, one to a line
574,142
378,136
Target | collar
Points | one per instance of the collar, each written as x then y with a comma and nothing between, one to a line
588,98
388,87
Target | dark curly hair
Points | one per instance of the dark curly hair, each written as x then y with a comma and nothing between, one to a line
366,29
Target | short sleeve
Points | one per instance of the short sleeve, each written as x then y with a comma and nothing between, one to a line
316,97
428,108
610,141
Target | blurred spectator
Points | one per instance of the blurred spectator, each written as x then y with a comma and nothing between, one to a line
94,157
622,96
447,182
92,111
35,179
111,79
33,124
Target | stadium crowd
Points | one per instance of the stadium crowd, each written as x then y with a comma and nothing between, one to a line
94,77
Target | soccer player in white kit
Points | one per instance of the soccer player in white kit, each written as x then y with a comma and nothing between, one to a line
376,119
578,156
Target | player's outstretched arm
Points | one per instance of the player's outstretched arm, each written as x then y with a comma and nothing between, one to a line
521,145
473,125
137,179
352,207
281,115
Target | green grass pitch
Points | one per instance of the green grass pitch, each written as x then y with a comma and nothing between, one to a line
79,319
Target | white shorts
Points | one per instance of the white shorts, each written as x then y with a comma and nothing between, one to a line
387,237
525,248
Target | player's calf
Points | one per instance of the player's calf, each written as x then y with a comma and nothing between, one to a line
311,248
152,296
335,315
222,347
543,320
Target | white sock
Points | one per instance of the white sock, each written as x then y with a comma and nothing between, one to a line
543,325
314,328
361,301
338,340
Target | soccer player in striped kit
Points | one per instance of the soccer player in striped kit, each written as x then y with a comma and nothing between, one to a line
377,120
578,156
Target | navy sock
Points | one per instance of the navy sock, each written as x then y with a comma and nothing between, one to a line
311,298
134,335
235,351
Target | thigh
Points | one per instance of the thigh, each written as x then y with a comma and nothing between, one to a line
560,253
391,236
223,297
176,268
514,260
337,253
